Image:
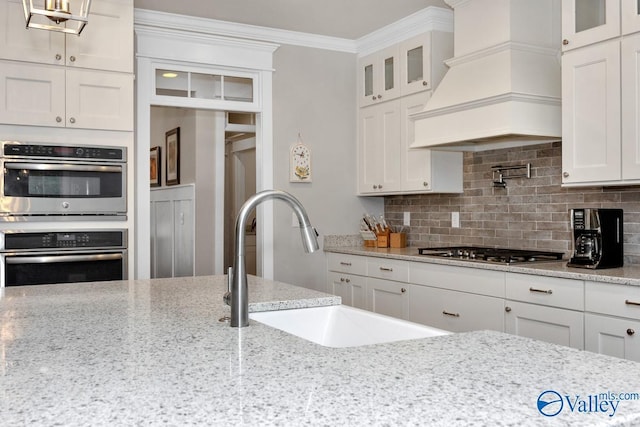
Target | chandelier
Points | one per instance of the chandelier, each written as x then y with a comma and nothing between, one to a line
57,15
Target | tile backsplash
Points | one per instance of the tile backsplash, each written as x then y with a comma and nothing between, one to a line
529,213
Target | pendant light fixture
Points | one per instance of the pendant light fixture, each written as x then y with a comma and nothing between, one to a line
67,16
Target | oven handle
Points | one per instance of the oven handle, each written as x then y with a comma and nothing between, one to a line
63,167
16,260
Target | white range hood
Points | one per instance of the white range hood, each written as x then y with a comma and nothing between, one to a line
503,85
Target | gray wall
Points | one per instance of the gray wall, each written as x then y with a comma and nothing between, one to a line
527,214
314,94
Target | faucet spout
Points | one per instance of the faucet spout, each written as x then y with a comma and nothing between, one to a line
238,290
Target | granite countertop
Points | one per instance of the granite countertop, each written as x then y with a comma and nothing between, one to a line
152,352
629,275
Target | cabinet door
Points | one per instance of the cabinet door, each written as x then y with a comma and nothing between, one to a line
348,287
99,100
106,43
591,114
555,325
379,142
184,228
415,165
455,311
387,297
586,22
415,64
27,44
32,94
630,13
379,76
630,59
612,336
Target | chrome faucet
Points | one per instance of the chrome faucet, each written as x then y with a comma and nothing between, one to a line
237,295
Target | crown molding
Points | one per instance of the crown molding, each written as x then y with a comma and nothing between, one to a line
149,18
428,19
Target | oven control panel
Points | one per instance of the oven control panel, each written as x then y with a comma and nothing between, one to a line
19,149
64,239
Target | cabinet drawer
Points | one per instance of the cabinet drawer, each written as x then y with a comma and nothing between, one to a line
549,291
455,311
347,263
390,269
616,300
474,280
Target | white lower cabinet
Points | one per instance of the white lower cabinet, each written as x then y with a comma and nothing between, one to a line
612,320
455,311
388,297
612,336
346,278
351,288
554,325
545,308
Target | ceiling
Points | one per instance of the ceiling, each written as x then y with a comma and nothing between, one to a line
350,19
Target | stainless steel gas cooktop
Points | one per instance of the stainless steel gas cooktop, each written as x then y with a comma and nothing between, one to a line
493,255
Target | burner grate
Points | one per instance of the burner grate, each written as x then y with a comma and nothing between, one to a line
494,255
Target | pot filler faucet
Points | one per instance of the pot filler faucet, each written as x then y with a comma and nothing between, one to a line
237,295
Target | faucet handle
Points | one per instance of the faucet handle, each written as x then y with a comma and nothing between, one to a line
227,295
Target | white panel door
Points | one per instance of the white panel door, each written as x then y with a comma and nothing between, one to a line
32,94
554,325
612,336
587,22
99,100
630,57
591,114
387,297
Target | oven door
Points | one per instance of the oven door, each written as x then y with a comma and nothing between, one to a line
52,188
70,267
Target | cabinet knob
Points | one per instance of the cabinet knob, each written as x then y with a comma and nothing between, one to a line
379,96
58,57
342,279
507,309
379,186
403,290
72,120
58,119
72,58
565,42
424,83
565,174
630,332
375,187
425,184
347,280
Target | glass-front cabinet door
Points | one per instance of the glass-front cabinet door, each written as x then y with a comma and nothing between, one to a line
589,21
379,79
415,69
630,16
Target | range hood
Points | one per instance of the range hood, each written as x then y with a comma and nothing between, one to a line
502,88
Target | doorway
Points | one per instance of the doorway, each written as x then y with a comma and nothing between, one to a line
217,174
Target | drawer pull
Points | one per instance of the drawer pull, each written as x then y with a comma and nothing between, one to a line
628,302
446,313
386,269
348,264
630,332
541,291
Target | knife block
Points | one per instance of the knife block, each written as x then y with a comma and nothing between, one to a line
398,240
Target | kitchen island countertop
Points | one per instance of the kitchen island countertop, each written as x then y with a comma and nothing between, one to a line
152,352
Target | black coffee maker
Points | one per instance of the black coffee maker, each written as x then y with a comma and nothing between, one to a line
597,238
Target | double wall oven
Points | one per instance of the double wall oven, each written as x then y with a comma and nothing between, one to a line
59,187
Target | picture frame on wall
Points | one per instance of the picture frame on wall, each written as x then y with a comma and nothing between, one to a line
155,169
172,139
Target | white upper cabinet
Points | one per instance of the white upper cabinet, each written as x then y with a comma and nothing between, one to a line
600,89
106,43
630,12
591,114
588,21
379,76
